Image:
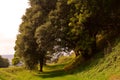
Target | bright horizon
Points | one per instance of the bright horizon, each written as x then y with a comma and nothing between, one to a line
10,19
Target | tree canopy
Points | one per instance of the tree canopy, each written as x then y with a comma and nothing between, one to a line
69,24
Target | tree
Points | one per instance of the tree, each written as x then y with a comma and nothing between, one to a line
26,47
91,18
69,24
52,32
4,62
15,60
26,44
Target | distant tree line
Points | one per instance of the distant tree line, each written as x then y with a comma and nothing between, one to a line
78,25
4,62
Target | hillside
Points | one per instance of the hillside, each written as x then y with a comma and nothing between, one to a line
102,68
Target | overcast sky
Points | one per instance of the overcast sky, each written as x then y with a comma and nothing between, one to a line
11,12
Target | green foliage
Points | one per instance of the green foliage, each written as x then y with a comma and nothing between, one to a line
4,62
69,24
15,60
27,46
90,18
72,24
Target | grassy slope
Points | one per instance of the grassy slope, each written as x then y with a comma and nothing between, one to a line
100,69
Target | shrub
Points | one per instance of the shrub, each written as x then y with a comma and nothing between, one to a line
4,62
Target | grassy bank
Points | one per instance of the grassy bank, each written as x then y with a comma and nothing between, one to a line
102,68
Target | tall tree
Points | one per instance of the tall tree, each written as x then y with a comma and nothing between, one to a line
26,44
26,47
50,34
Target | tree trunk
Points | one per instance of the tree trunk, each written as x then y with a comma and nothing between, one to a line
94,47
85,54
77,53
41,65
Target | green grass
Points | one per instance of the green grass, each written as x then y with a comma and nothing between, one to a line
101,68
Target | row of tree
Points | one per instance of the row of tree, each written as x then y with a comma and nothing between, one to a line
69,24
4,62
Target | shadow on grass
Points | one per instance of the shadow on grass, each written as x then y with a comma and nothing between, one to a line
53,71
55,67
87,65
58,71
51,74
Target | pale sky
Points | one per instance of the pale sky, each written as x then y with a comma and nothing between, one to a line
11,12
